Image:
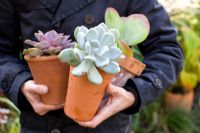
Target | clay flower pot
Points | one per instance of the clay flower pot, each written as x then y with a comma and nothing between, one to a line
83,97
49,71
183,101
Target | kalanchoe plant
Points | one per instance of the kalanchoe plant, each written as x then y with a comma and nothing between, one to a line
133,29
50,43
95,48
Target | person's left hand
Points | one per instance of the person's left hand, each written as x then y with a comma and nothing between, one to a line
119,100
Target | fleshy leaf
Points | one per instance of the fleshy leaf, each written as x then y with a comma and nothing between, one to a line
82,68
114,53
33,52
52,50
90,57
108,39
51,35
101,51
40,36
30,42
80,29
135,29
68,56
88,47
79,54
112,19
94,76
112,68
42,45
81,39
95,43
115,33
100,30
92,35
104,26
102,61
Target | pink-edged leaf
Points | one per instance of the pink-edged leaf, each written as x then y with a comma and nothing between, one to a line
135,29
51,36
30,42
58,41
112,18
42,45
52,50
68,45
40,36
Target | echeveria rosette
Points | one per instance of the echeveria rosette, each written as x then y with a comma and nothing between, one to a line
96,48
50,43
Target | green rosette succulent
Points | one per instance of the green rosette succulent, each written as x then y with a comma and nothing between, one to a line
95,48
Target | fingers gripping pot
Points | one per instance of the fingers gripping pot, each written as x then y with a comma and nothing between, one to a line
45,66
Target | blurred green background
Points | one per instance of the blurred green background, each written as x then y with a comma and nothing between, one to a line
178,110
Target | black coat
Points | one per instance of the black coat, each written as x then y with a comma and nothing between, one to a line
20,19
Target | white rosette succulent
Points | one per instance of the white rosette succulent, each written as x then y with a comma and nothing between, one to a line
95,48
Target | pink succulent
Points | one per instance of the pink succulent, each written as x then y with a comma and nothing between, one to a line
51,42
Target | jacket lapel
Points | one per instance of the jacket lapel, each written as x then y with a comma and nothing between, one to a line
52,5
69,7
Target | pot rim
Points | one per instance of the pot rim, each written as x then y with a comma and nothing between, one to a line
41,58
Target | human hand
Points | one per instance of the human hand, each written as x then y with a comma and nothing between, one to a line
32,92
119,100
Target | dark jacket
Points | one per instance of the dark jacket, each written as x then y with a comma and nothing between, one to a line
20,19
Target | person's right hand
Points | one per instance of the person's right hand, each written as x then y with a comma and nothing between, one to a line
32,93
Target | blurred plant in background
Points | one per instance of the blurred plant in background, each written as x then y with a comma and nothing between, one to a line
157,117
185,14
154,118
9,116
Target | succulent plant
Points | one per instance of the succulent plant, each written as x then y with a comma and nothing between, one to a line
134,29
50,43
95,48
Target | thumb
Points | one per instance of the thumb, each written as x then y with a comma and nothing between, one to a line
112,90
38,89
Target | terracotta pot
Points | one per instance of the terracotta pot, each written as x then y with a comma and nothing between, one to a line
49,71
83,97
183,101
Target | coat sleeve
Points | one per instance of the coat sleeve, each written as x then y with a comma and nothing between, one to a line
13,71
162,55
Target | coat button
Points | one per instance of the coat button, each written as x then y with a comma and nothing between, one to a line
158,82
89,19
55,131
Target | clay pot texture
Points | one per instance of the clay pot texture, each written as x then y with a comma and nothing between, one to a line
183,101
49,71
83,97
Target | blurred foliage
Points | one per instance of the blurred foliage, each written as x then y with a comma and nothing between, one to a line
12,125
154,118
185,14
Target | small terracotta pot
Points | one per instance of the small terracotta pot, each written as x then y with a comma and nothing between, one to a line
49,71
183,101
83,97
